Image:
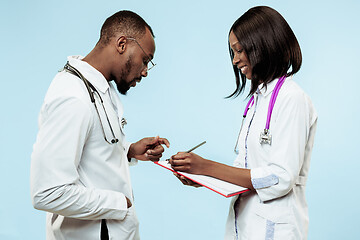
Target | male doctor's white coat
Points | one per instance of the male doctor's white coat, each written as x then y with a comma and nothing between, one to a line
77,177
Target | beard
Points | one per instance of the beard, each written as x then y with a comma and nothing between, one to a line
123,86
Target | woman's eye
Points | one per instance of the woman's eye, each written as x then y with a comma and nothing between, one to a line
240,50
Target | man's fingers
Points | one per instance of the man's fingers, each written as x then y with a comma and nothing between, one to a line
153,140
164,141
157,150
156,141
129,204
154,157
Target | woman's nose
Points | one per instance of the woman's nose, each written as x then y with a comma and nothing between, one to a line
236,59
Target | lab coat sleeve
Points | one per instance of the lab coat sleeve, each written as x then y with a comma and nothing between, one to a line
132,161
64,126
290,134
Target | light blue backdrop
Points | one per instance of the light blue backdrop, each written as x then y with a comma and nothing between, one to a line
183,99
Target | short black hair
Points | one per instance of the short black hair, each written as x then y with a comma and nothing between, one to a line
270,45
126,22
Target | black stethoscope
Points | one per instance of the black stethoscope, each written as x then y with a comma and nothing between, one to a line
92,91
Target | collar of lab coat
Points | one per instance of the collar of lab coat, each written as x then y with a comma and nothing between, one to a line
269,89
90,73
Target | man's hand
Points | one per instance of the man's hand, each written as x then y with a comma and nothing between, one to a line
129,204
148,149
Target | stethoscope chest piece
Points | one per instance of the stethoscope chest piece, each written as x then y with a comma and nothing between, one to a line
265,137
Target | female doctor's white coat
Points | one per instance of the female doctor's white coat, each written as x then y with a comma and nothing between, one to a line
277,209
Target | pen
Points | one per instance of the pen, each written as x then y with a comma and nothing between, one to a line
196,147
192,149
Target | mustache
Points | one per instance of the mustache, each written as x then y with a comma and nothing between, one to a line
136,79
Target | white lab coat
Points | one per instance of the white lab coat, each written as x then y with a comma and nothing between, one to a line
277,209
76,176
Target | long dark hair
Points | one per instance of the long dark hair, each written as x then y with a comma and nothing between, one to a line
270,45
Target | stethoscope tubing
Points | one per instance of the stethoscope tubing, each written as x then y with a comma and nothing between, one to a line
273,100
92,91
271,103
270,109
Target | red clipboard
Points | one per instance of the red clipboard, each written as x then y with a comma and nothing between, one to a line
223,188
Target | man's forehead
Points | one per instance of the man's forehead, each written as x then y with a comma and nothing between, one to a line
149,36
149,42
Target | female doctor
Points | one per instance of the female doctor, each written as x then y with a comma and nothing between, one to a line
276,138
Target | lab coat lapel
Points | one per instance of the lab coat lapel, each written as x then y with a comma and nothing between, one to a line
118,105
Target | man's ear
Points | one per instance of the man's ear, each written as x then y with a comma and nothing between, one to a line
121,44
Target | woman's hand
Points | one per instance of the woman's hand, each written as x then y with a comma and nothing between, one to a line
187,181
189,162
192,163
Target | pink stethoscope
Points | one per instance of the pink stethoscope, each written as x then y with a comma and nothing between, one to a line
265,136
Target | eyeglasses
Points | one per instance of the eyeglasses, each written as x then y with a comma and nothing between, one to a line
149,58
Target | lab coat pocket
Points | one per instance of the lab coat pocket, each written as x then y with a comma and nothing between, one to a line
128,228
131,220
280,221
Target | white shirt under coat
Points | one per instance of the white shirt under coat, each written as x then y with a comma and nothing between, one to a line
277,209
76,176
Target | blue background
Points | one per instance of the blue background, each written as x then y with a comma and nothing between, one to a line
183,99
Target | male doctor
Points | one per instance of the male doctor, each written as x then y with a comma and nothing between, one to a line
80,161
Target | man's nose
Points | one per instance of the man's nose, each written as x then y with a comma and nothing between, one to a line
144,73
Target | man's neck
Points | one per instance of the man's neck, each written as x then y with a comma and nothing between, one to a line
98,59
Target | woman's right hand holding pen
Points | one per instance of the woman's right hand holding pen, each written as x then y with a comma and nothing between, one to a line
192,163
188,162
